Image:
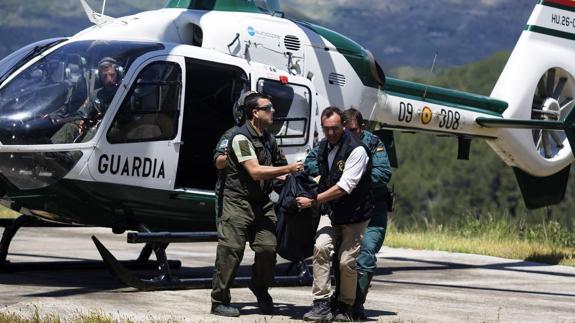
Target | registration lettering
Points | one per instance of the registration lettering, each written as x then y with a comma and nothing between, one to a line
405,112
449,119
561,20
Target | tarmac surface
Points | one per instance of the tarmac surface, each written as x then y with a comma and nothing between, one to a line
410,285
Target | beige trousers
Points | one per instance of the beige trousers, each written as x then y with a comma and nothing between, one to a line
327,236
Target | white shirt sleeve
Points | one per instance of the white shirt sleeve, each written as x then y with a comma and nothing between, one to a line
355,166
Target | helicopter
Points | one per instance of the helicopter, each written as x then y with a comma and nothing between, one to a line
147,166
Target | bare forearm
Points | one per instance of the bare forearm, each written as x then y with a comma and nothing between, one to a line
331,194
268,172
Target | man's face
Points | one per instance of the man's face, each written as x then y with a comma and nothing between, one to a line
353,127
332,128
264,112
108,76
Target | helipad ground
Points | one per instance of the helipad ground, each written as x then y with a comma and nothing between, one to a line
420,286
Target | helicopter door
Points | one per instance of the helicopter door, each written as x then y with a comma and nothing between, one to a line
292,100
212,88
141,145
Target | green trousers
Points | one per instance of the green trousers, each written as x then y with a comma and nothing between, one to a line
241,222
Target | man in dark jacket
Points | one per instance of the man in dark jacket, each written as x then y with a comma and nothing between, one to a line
374,234
345,186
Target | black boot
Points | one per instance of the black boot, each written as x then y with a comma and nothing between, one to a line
343,313
320,311
363,281
224,310
265,301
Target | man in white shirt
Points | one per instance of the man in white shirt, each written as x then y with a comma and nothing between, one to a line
346,205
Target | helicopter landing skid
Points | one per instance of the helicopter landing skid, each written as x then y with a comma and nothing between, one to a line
11,229
167,281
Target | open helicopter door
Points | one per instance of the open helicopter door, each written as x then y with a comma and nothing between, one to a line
140,145
212,88
295,105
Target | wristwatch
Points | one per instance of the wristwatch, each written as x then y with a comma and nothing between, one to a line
314,202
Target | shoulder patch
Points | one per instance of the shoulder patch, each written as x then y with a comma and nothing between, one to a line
244,147
380,149
224,143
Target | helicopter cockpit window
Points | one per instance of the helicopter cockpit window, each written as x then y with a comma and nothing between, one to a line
61,98
150,110
292,104
20,57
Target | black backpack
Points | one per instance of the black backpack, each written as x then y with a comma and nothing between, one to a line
295,228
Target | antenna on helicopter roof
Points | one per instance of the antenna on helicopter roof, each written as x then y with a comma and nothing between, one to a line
430,72
93,16
103,7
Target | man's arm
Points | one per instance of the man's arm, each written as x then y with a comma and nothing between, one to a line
259,173
380,167
222,161
246,155
221,150
355,166
333,193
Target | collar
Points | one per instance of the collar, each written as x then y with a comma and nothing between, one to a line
253,131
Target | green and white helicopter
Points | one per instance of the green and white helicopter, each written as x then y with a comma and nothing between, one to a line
147,164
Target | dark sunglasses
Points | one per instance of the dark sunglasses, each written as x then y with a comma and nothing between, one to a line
266,108
334,128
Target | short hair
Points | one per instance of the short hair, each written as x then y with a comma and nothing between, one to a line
329,111
353,114
251,102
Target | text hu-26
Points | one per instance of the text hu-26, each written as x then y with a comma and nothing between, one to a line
448,119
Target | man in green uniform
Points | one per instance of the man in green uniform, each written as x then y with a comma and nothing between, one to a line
374,234
94,108
247,211
221,152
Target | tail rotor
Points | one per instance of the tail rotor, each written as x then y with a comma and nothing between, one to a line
553,100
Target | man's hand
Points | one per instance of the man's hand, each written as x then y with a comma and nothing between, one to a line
304,202
82,126
296,167
222,160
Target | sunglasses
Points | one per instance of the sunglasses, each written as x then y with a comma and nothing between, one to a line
266,108
333,129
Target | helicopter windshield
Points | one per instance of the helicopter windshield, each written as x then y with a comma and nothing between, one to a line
63,96
20,57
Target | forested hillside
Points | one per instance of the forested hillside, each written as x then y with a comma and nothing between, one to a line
434,187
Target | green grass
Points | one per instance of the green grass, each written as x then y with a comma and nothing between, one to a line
548,243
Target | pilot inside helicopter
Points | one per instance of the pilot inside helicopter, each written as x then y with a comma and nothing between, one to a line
84,121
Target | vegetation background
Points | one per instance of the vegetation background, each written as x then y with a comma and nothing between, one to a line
473,39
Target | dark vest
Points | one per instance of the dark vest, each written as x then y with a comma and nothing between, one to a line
238,182
357,206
